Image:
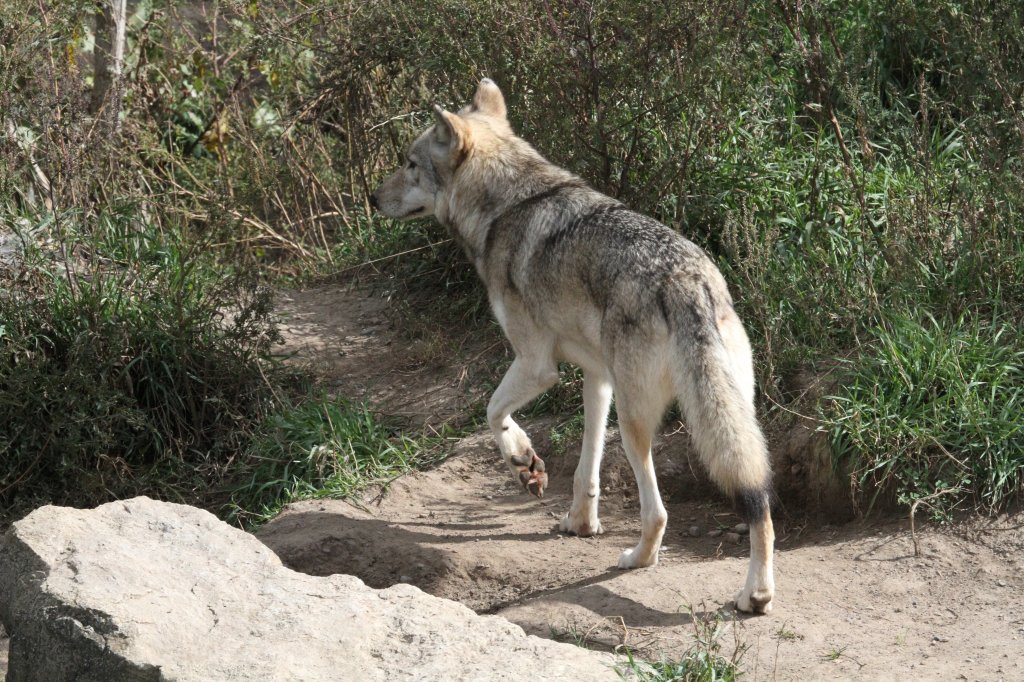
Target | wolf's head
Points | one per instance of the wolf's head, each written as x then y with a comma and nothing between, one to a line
415,189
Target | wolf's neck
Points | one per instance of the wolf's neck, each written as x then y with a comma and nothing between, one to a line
489,188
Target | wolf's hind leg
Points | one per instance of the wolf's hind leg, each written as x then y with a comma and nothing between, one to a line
527,378
637,433
759,589
582,518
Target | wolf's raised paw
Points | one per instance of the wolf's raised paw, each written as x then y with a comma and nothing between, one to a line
531,473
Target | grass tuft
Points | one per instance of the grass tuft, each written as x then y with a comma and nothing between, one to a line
706,661
932,406
321,448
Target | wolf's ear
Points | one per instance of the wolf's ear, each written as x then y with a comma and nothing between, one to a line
451,132
489,100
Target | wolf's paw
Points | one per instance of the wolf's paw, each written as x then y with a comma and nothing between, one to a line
635,558
581,525
754,601
528,468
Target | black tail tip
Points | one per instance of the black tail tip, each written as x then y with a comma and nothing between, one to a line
752,504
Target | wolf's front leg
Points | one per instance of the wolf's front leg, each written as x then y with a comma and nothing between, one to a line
582,519
525,380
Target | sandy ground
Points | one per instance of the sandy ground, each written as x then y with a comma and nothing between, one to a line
852,602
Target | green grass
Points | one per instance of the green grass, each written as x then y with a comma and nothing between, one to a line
706,661
932,406
567,432
120,372
834,652
322,448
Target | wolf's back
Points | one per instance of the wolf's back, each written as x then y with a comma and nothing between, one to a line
585,249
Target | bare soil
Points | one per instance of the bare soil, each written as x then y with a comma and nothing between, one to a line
853,601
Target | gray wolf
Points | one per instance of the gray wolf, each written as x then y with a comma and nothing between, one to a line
574,275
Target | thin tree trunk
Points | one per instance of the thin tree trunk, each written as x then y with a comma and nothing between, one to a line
120,8
100,58
108,57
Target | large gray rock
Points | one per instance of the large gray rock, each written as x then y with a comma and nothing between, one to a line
146,590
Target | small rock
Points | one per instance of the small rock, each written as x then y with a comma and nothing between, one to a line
404,579
694,531
734,538
714,532
939,638
741,528
1001,583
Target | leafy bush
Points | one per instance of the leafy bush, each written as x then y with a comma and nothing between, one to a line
136,367
936,408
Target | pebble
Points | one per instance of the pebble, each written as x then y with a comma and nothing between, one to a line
694,531
741,528
714,532
734,538
1001,583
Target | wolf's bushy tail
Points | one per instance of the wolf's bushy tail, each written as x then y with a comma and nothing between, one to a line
714,386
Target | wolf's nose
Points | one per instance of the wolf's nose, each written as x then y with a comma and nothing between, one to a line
373,201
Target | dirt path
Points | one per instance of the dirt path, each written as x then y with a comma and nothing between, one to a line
853,601
363,350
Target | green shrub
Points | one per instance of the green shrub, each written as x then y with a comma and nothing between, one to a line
320,448
142,371
934,409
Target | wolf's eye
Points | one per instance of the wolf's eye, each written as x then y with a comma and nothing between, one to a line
412,165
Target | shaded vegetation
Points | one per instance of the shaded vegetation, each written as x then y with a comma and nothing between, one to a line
855,168
322,449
